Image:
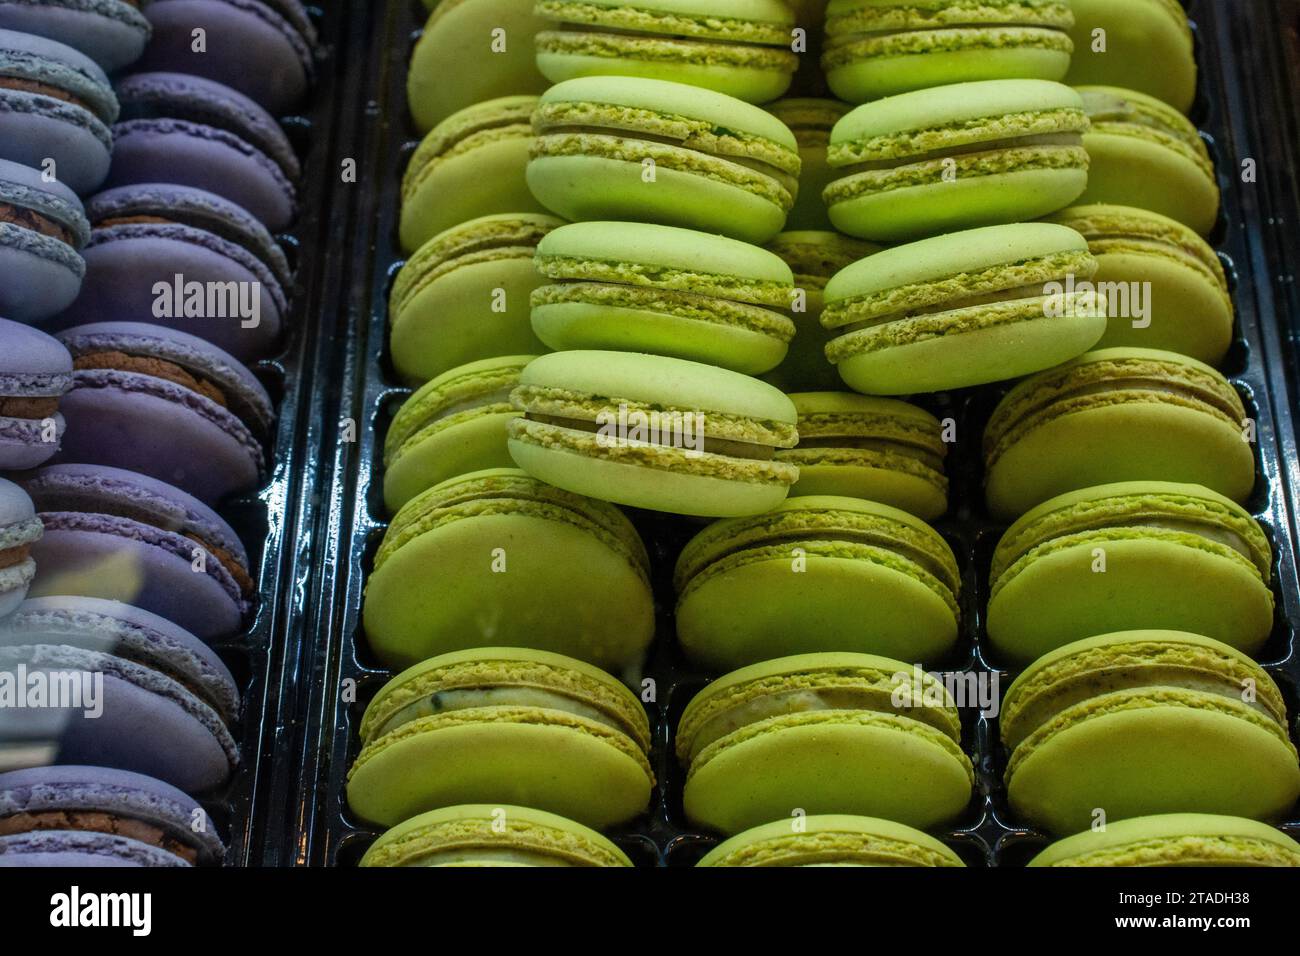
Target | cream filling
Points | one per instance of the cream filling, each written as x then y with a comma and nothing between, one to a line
709,446
998,296
485,856
445,701
990,146
1210,532
924,456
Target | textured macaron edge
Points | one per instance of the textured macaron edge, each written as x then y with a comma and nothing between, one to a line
831,838
507,117
1175,839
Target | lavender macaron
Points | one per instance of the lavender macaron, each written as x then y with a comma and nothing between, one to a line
276,35
165,404
196,132
20,529
79,850
104,800
153,700
145,236
113,33
126,537
35,372
42,230
56,106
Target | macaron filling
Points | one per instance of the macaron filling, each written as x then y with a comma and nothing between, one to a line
1114,115
487,856
466,698
98,821
34,221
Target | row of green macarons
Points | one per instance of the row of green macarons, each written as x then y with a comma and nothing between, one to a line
1097,735
903,168
474,50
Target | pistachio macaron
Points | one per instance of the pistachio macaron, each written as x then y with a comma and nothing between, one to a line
486,142
825,733
831,840
1175,839
1142,152
463,295
1171,287
818,573
1116,415
1146,722
647,150
640,287
486,835
498,556
1139,554
955,157
451,426
503,725
963,309
654,432
1143,45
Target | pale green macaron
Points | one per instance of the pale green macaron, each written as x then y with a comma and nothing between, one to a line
502,724
486,835
826,734
1137,554
811,121
1142,152
1116,415
831,840
463,296
442,187
471,51
1143,45
820,573
813,256
1175,839
1170,289
641,287
490,557
450,426
1146,722
880,449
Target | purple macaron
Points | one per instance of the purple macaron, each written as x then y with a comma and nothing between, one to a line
35,372
263,49
113,33
147,235
89,799
56,106
135,692
20,529
77,849
126,537
42,229
165,404
196,132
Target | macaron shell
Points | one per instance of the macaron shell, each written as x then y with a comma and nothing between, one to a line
1148,48
111,33
1191,761
1175,839
34,129
77,849
1128,171
868,478
831,840
827,767
1060,597
45,274
475,444
645,56
548,767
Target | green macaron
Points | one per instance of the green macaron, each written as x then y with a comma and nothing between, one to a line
471,51
826,734
629,148
1130,555
503,725
1175,839
491,556
813,256
1145,722
954,157
1143,45
1115,415
831,840
1143,152
443,183
640,287
452,425
1184,292
811,121
967,308
880,449
654,432
878,48
818,573
463,296
737,47
486,835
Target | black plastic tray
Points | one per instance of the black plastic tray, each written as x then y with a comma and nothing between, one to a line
1244,110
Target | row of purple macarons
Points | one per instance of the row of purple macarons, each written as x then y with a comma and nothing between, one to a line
127,410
